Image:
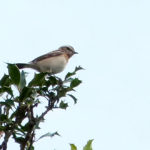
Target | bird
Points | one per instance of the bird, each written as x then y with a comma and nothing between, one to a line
53,62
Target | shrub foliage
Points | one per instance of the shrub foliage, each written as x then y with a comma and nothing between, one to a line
20,100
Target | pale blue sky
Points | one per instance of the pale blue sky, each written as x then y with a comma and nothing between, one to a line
113,41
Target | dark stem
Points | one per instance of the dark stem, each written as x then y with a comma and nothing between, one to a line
3,146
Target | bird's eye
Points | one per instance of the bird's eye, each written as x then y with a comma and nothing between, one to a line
68,48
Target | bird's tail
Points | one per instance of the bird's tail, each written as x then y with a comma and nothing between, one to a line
23,65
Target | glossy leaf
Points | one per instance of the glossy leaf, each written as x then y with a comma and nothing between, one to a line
19,139
49,135
26,93
75,83
38,80
14,73
69,74
5,81
73,147
7,90
63,105
62,92
8,103
88,146
31,148
52,81
22,80
3,117
73,97
2,128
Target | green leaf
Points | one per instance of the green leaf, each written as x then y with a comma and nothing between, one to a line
7,90
88,146
5,81
73,97
14,73
38,80
75,82
69,74
8,103
31,148
73,147
61,92
22,80
78,68
3,117
63,105
52,81
49,135
19,139
2,128
25,93
13,115
26,127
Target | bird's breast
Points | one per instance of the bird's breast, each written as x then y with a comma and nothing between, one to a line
53,64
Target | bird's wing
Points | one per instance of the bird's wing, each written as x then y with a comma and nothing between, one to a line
48,55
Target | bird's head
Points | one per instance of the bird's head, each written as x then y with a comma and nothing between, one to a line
69,50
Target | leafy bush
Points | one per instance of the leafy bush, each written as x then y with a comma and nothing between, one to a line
88,146
19,101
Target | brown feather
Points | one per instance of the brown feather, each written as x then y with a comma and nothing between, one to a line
48,55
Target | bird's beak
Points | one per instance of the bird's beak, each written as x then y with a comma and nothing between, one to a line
76,53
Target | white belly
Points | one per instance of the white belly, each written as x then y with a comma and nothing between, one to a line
53,64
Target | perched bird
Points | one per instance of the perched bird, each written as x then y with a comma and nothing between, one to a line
52,62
